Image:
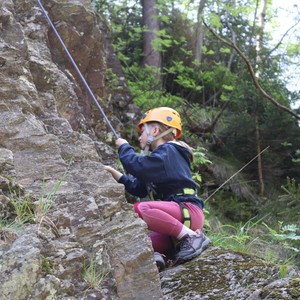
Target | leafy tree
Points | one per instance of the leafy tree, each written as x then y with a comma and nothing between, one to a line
208,81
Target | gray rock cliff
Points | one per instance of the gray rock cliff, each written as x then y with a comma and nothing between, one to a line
48,128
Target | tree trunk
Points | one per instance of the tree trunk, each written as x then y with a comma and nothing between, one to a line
259,47
199,32
259,37
259,159
152,57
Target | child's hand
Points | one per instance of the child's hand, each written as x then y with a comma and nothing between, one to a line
120,142
115,173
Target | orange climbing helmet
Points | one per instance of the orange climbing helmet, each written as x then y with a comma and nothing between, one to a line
164,115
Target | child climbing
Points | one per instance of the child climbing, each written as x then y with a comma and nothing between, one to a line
164,175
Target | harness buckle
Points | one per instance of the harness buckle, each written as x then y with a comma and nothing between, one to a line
150,139
187,191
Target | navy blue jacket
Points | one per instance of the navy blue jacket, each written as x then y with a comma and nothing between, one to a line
165,172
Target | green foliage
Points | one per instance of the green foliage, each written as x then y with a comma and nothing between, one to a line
288,236
238,237
232,208
144,85
297,159
46,200
47,265
185,77
291,198
28,210
200,159
112,80
45,203
284,268
23,207
287,232
293,49
255,237
225,50
292,190
215,20
162,41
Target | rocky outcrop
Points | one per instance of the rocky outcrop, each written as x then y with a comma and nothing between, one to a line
222,274
51,135
77,237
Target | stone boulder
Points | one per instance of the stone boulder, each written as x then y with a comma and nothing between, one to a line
223,274
53,144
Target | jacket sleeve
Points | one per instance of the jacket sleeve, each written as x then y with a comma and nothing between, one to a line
133,186
145,168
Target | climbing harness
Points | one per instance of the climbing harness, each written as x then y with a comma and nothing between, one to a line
77,69
186,215
186,191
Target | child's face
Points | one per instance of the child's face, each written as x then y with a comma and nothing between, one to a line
143,138
146,131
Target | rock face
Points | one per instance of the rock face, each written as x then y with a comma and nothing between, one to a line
53,144
51,134
221,274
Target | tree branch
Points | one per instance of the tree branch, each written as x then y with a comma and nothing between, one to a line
251,71
200,130
283,36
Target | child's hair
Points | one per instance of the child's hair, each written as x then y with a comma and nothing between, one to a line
162,128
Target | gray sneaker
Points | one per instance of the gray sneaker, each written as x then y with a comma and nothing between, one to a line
191,246
160,261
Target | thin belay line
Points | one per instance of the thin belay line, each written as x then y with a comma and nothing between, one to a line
237,172
78,71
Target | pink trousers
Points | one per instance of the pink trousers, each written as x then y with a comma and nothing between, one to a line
164,219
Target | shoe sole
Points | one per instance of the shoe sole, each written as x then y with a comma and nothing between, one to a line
204,246
160,262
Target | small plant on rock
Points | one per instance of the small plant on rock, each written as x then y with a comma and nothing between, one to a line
45,203
23,206
92,274
47,265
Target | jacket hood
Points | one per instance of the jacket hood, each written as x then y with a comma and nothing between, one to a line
183,151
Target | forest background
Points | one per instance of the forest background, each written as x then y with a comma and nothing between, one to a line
232,73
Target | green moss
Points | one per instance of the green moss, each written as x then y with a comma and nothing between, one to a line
294,288
210,273
198,277
291,288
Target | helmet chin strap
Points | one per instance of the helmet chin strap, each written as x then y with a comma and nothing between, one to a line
151,138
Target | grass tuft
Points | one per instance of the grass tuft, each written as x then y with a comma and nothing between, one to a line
92,274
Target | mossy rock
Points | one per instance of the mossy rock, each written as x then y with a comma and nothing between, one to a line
218,274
